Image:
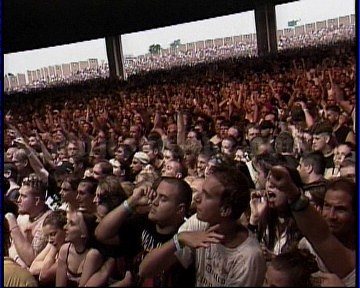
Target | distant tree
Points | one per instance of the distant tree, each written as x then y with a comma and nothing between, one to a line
155,49
175,44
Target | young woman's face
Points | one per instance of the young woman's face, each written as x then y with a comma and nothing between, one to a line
67,193
55,235
276,199
75,228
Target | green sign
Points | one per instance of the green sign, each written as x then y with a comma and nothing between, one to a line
292,23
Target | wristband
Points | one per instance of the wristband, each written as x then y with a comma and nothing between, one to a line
252,228
13,228
300,204
177,243
127,207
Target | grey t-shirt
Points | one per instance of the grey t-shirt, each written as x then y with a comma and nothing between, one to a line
218,265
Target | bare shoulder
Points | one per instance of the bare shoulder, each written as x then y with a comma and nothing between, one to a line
63,250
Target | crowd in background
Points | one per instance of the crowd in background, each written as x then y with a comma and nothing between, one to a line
164,61
204,175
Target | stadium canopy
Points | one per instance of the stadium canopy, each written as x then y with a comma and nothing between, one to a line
33,24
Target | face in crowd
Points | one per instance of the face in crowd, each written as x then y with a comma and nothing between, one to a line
85,198
136,166
166,206
171,169
208,200
320,141
27,200
201,164
338,213
75,228
252,133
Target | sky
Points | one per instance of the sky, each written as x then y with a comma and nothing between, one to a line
138,43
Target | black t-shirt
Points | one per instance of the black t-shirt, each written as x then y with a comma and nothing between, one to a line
140,237
329,160
291,161
317,189
341,133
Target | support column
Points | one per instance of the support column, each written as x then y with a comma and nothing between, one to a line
265,20
115,57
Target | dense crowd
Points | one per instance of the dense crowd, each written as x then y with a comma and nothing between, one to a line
164,61
241,49
238,172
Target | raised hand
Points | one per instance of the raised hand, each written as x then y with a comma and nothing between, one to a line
258,206
141,196
201,239
150,193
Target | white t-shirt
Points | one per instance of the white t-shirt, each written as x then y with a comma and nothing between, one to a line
349,280
33,233
218,265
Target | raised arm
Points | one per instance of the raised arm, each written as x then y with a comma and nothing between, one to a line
180,128
339,97
47,157
111,223
34,161
308,117
22,245
337,258
157,120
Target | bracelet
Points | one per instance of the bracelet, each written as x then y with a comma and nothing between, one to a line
127,207
177,243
